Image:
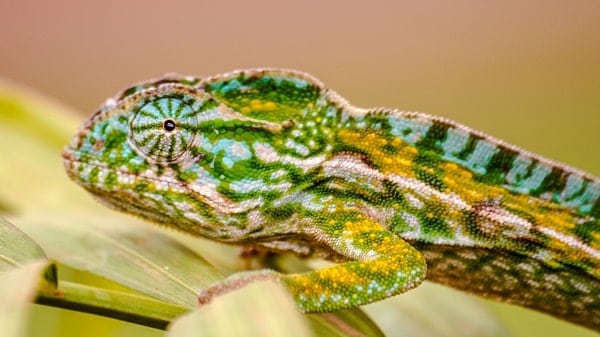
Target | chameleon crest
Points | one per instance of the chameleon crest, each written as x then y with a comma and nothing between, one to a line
272,159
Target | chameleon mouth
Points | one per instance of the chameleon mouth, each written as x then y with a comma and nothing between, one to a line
81,171
139,195
95,177
109,194
69,160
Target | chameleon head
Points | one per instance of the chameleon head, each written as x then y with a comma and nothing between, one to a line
169,152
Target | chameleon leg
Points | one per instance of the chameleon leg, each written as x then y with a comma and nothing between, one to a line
382,265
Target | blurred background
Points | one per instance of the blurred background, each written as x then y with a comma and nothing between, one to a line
524,71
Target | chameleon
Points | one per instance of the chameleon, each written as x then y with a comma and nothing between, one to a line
273,160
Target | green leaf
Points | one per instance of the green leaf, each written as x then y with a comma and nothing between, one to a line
246,312
124,251
18,287
352,322
24,271
16,248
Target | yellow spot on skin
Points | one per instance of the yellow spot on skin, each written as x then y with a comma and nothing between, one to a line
372,143
255,104
360,226
259,105
269,106
396,142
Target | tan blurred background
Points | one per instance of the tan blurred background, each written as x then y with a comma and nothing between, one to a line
524,71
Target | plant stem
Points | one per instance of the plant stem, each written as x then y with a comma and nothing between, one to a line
114,304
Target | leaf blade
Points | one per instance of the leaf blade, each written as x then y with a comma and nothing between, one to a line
121,250
246,312
16,248
18,287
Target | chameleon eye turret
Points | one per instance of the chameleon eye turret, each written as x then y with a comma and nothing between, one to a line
165,126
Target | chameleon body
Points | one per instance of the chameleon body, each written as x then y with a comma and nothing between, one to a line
274,160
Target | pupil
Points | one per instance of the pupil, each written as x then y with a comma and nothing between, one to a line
169,125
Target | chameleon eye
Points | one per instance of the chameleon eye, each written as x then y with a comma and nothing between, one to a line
163,129
169,125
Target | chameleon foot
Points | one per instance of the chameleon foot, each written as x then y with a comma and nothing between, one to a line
234,282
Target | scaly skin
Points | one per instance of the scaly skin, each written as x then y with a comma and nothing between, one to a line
272,159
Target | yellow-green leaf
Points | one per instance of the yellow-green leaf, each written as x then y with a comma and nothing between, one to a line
18,288
120,249
261,309
16,248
